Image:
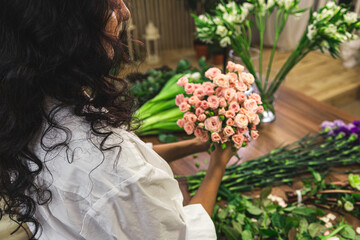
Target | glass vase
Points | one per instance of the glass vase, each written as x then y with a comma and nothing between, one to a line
268,115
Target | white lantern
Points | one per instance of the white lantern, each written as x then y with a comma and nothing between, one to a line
131,34
152,44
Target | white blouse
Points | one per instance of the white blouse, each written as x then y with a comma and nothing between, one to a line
127,192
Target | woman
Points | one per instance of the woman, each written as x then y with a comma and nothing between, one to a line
69,165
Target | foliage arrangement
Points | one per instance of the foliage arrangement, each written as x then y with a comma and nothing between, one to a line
264,218
336,144
231,26
159,114
218,110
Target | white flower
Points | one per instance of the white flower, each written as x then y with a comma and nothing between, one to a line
325,219
196,76
328,225
325,44
312,31
248,6
221,31
232,6
270,4
331,216
221,7
204,18
358,230
286,4
350,17
225,42
330,30
237,29
217,21
333,238
330,4
230,18
348,206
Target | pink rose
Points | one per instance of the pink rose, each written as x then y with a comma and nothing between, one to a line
224,138
260,109
238,139
179,99
241,121
256,97
242,130
213,102
222,102
200,93
230,122
198,104
205,137
198,132
250,105
180,122
229,94
193,100
251,116
219,91
184,107
256,121
222,80
202,117
190,117
201,125
182,81
247,78
197,86
230,114
254,134
212,73
239,68
189,88
234,106
209,90
222,111
240,96
189,127
199,111
215,137
228,131
204,104
230,66
233,77
241,86
213,124
210,84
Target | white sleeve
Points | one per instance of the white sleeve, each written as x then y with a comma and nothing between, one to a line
147,206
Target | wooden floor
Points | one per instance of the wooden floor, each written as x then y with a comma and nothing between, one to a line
318,75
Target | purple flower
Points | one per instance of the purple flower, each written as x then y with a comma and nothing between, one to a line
339,123
327,124
357,123
355,130
342,129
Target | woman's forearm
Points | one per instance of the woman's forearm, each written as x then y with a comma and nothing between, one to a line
173,151
207,192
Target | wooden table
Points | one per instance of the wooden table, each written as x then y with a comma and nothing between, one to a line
296,116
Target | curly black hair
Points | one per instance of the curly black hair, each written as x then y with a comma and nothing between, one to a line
52,49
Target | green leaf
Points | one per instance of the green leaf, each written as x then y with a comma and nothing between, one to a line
304,211
303,225
278,220
231,233
237,226
254,210
267,232
316,229
246,235
348,232
354,181
265,193
356,196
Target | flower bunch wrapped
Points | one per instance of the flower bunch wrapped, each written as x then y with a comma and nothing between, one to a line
218,110
231,26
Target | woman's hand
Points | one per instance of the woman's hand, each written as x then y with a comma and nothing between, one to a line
220,157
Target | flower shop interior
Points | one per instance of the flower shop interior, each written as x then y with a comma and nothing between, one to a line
296,174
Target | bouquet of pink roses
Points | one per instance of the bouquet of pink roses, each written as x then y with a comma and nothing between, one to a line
218,110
